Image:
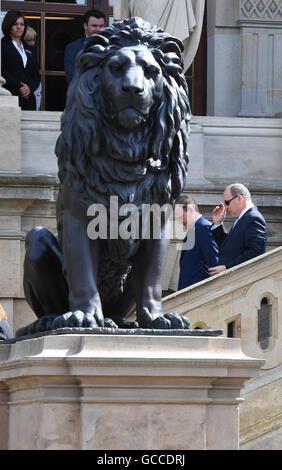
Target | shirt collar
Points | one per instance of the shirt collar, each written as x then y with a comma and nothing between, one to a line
249,206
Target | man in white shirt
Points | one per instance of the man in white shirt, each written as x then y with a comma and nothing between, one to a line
248,236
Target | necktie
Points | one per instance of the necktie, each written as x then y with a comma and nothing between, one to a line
236,220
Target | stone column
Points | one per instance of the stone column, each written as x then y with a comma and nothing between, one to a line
3,91
10,129
261,58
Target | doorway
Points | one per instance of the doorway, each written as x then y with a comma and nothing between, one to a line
59,22
56,23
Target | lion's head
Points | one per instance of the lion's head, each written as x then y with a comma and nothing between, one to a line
127,116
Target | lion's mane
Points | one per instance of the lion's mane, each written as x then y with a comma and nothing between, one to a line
95,158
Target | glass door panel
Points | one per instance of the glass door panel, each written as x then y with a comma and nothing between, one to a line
34,21
77,2
60,30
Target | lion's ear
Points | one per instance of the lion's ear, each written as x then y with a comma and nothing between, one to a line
95,39
92,58
93,52
172,45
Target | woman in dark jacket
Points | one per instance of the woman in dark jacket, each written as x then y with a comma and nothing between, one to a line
19,64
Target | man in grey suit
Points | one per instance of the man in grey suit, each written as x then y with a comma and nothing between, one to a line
248,236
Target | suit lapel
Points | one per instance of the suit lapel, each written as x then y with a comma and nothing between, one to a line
17,55
239,222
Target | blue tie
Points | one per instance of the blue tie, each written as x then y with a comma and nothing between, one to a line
236,220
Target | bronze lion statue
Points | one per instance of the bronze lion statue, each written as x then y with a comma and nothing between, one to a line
124,135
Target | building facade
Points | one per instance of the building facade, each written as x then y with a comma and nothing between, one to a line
236,131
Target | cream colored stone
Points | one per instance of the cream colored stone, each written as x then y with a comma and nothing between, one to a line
261,417
10,267
122,392
237,292
222,427
10,119
4,417
39,134
51,426
235,295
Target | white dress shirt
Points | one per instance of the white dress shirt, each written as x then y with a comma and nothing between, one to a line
21,52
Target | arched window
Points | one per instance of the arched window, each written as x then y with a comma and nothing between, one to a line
264,323
200,326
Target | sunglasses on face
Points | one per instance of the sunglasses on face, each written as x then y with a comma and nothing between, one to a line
226,203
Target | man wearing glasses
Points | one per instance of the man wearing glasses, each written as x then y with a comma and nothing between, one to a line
248,235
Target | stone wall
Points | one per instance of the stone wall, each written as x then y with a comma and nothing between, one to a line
234,297
244,51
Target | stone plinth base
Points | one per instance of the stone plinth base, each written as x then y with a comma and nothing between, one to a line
10,134
122,392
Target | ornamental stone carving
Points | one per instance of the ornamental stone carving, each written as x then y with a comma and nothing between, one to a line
265,10
261,46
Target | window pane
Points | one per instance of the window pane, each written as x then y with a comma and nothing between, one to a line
77,2
34,22
60,30
264,324
230,329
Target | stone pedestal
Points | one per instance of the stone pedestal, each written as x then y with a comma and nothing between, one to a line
10,133
122,392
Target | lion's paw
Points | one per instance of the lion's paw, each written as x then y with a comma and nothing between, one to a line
77,319
162,322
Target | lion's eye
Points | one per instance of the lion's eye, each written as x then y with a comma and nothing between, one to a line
115,66
151,72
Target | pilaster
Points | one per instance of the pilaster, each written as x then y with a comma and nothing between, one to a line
261,58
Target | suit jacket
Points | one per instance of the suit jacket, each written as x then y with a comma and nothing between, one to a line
14,71
5,330
245,241
71,51
194,262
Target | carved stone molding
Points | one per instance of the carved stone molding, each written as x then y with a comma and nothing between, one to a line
261,10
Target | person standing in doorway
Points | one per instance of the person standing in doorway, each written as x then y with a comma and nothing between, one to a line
19,64
93,22
30,40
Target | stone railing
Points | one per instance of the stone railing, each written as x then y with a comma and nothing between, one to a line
234,296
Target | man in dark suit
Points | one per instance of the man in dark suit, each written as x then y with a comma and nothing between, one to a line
248,236
199,250
93,22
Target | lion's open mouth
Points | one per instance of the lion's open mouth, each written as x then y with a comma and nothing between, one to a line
130,118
